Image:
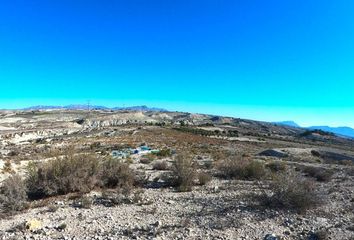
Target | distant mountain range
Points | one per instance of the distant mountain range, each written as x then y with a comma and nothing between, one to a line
94,107
342,131
288,123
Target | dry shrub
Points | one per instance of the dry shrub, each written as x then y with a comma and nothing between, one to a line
52,208
70,173
319,235
7,168
166,152
203,178
208,164
147,159
241,168
183,173
320,174
13,195
276,166
83,202
292,192
76,173
255,170
160,165
350,171
315,153
116,174
346,162
114,197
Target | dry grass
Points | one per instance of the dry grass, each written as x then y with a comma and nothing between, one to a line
291,191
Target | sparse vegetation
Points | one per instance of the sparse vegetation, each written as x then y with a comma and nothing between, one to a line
166,152
291,191
315,153
160,165
7,168
76,173
115,174
316,131
53,208
203,178
13,195
320,174
147,159
319,235
66,174
276,166
237,167
183,173
83,202
223,184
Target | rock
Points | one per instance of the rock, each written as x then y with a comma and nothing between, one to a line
288,222
271,237
157,224
321,220
60,203
61,227
33,225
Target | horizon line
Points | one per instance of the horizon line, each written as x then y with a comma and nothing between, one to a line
161,108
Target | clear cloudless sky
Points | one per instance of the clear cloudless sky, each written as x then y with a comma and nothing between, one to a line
265,60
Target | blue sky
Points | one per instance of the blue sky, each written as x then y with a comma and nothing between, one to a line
264,60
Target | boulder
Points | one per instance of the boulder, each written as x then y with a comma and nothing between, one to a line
33,225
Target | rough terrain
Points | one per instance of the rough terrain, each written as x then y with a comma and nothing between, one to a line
220,209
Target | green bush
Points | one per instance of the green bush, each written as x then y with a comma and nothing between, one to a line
13,195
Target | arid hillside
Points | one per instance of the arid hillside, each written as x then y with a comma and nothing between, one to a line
103,174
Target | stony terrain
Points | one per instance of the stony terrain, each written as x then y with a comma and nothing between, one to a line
220,209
